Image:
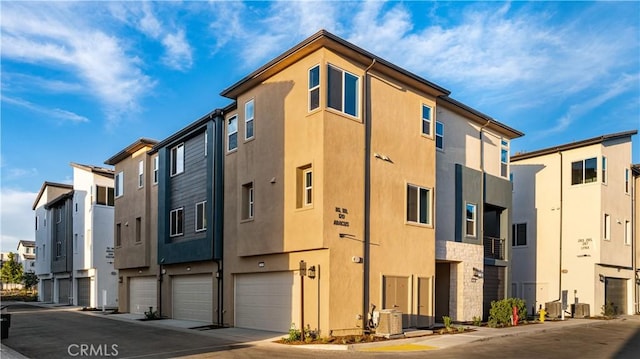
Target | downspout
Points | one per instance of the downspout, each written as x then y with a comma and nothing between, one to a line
482,189
366,116
560,234
634,264
218,195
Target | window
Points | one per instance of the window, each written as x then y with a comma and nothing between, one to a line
156,163
607,227
308,187
439,135
76,206
626,180
584,171
314,87
138,229
75,243
36,223
201,216
248,119
177,159
58,249
232,133
176,224
604,169
627,233
470,228
304,186
426,120
140,174
247,201
58,215
104,196
119,182
504,157
519,235
118,234
343,91
418,204
206,143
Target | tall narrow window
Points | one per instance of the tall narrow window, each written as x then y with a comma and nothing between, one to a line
418,204
232,133
156,165
314,87
248,119
177,159
75,243
504,157
426,120
247,201
607,227
58,215
439,135
201,216
604,169
58,249
110,196
118,235
176,223
470,228
206,143
627,233
308,187
138,229
101,196
519,234
36,223
119,182
343,91
626,180
140,174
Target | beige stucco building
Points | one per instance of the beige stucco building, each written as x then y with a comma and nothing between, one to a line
573,223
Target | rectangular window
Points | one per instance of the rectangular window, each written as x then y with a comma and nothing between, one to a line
36,223
314,88
308,187
206,143
201,216
58,215
607,227
604,169
626,180
519,234
247,201
76,206
439,135
418,204
75,243
232,133
470,228
156,163
426,120
177,159
118,235
177,221
584,171
58,249
140,174
119,182
627,233
138,229
343,91
504,157
248,119
104,196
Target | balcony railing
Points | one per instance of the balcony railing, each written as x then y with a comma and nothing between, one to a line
494,247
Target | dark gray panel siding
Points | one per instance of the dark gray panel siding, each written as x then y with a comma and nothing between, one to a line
468,181
62,231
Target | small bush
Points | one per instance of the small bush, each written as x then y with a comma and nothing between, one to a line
608,309
501,311
477,321
294,334
151,314
447,322
460,329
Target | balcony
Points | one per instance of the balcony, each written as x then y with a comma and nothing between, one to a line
494,247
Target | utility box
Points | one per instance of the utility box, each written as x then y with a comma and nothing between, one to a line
554,309
580,310
389,322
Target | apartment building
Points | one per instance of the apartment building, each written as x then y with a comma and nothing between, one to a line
473,209
572,224
26,253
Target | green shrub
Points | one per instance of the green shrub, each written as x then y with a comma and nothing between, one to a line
151,314
447,322
477,321
294,334
501,310
608,309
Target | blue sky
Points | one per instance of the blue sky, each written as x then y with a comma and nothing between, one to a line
82,80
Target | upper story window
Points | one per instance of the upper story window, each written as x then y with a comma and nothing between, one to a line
627,233
156,165
314,87
343,91
36,223
439,135
119,182
607,227
584,171
247,201
604,170
418,204
118,234
58,249
104,196
426,120
138,229
470,223
304,185
201,216
248,119
626,180
176,222
519,235
58,215
232,133
308,187
140,174
504,157
177,159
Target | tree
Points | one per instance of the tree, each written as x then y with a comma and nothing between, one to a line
11,271
30,280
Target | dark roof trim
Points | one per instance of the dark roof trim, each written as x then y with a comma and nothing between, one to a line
26,243
572,145
480,117
129,150
59,199
636,169
101,171
189,129
49,184
232,91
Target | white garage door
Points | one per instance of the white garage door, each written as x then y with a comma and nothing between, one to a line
193,297
143,294
266,301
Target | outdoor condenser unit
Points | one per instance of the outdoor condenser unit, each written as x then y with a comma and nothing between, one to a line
581,310
390,322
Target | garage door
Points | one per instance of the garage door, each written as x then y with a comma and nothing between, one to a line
266,301
84,292
615,291
64,285
142,294
192,297
47,290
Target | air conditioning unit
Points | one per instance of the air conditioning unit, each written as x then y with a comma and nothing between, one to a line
389,322
554,309
581,310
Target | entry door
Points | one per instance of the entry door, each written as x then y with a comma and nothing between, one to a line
84,292
47,290
615,291
396,296
443,284
425,310
64,286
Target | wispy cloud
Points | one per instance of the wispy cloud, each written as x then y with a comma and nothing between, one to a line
63,116
15,212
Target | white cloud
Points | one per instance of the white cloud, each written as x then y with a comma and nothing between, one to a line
178,52
16,217
63,116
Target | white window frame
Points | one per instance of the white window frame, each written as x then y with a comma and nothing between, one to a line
308,187
249,119
251,202
201,218
504,157
229,134
119,184
514,242
584,171
471,220
429,206
206,143
343,93
177,159
426,121
441,136
176,217
140,174
314,89
156,167
607,227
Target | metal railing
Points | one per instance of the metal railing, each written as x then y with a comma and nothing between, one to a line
494,247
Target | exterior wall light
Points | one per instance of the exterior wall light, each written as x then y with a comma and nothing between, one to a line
312,272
